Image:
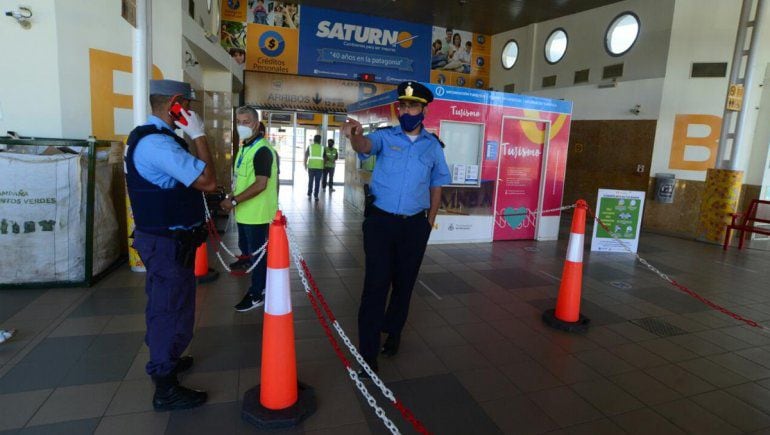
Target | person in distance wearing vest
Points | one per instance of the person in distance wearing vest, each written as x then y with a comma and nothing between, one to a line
164,183
406,188
330,160
254,198
314,163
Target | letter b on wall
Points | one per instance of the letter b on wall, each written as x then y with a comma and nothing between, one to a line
695,141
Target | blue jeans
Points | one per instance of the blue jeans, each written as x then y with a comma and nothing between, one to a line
250,238
314,181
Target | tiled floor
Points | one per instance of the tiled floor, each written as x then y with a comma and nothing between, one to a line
475,357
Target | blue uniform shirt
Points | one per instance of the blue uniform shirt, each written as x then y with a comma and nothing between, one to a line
405,170
162,162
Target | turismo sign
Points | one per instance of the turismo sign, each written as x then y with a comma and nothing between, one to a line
344,45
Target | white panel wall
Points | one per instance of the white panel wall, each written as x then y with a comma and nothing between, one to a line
29,73
704,31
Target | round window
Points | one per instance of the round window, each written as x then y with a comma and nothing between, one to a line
622,34
556,46
510,54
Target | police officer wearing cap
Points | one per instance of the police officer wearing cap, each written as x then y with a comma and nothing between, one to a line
406,184
165,182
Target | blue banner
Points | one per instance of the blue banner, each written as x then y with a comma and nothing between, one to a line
344,45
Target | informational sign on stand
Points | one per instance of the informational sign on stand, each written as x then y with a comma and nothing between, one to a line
621,211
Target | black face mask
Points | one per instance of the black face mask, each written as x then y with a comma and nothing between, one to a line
411,122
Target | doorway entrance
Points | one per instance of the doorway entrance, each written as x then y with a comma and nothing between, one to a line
292,132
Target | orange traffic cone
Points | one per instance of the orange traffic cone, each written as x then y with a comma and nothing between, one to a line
202,270
280,401
567,315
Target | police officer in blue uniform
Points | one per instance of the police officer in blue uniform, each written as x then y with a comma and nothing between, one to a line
165,182
406,188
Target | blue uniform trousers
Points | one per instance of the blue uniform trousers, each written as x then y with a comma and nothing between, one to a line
250,238
394,247
170,311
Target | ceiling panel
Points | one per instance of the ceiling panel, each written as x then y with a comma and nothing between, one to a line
481,16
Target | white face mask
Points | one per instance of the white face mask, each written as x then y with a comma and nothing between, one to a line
244,132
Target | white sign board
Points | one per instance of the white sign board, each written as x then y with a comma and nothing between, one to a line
621,212
462,229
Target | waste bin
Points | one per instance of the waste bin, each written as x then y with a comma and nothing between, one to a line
664,188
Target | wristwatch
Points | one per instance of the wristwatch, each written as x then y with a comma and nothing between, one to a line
232,199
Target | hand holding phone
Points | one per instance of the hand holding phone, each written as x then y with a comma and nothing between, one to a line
176,113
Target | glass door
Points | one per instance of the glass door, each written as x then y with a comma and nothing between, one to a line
282,133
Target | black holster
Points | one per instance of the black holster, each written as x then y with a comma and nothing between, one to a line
368,200
187,243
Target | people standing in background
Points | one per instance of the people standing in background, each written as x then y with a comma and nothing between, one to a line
314,164
330,161
254,198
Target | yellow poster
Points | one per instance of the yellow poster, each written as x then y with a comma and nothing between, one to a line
271,49
234,10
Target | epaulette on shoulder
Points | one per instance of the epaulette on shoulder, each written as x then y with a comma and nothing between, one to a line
439,140
387,127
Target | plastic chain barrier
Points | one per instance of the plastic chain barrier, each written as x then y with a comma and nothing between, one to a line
316,297
531,215
215,235
676,284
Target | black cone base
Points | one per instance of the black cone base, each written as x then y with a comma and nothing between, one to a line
263,418
212,275
549,317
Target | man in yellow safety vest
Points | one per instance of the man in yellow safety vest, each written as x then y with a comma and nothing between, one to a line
314,163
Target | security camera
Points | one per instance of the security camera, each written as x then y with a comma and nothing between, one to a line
636,110
22,16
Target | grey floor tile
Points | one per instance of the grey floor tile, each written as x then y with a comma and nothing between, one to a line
81,326
753,394
668,350
75,403
530,376
697,345
16,409
712,372
34,376
564,406
733,411
221,386
78,427
645,388
441,336
95,369
741,365
221,418
145,423
519,415
680,380
461,357
132,397
646,421
440,403
694,419
486,384
418,364
604,362
637,355
569,369
607,397
603,426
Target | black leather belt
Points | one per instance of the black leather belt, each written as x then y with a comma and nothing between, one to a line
378,211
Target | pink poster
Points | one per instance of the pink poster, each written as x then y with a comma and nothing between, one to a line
518,180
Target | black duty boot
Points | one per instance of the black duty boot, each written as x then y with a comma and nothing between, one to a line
390,348
184,364
169,395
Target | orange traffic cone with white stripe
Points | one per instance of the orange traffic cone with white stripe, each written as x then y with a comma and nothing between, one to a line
280,401
203,272
567,315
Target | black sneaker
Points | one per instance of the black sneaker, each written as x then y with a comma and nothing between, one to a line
172,397
249,302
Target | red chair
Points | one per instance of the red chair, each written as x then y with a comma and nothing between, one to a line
747,222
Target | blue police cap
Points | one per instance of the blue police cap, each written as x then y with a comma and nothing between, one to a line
171,88
414,91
